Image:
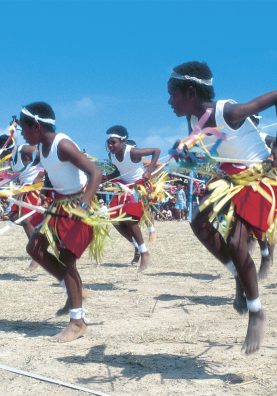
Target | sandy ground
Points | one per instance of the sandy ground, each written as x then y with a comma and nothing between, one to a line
170,331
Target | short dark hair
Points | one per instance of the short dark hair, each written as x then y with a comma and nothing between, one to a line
118,130
131,142
193,69
43,110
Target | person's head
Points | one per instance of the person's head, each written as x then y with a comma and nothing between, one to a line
101,202
180,186
8,143
188,83
116,138
35,119
14,121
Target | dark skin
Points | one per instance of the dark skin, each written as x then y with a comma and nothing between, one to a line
38,244
266,261
131,229
187,104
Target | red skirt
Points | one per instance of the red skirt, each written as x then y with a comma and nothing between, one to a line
73,235
131,206
250,205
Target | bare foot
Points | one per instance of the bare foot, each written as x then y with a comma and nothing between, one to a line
75,329
33,266
152,237
144,261
266,263
65,309
239,303
136,257
255,332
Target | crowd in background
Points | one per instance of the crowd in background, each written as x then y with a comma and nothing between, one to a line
174,207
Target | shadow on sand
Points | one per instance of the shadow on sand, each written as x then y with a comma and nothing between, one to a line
13,258
206,277
133,366
100,286
116,265
30,329
193,300
14,277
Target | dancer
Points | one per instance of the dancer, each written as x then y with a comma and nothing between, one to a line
25,160
149,220
7,144
75,180
130,171
191,95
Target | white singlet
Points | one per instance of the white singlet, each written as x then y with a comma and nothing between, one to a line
242,143
129,171
65,177
29,172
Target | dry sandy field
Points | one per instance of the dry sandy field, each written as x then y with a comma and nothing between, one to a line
170,331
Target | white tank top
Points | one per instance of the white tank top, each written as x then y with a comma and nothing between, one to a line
65,177
129,171
29,172
242,143
17,164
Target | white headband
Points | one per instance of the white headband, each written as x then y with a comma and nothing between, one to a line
187,77
37,118
116,136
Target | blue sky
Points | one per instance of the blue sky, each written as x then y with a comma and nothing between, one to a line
100,63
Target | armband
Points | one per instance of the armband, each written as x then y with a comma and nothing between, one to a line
84,205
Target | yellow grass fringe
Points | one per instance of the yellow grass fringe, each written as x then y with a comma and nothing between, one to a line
223,190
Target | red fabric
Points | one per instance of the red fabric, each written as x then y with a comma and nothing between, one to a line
232,169
254,208
250,205
75,236
30,198
130,206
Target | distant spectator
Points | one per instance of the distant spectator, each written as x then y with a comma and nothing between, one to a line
181,202
168,213
103,208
